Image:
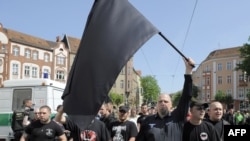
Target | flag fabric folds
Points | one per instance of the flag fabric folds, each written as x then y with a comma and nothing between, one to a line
114,31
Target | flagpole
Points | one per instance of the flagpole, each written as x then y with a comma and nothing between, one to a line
175,48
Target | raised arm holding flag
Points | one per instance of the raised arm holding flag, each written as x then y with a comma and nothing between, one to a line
114,31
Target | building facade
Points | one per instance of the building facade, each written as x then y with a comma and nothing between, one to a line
24,56
217,73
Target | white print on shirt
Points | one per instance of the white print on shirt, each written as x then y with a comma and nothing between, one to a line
49,132
203,136
151,125
118,133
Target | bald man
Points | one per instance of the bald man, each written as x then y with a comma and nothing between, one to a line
215,113
167,123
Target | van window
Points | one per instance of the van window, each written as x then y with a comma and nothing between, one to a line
19,95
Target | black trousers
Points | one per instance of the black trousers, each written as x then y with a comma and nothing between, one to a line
18,135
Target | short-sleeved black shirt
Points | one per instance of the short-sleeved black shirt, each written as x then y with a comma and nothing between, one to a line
43,132
123,131
96,131
203,132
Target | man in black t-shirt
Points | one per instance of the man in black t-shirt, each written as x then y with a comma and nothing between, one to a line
43,129
123,129
143,115
196,129
96,130
106,114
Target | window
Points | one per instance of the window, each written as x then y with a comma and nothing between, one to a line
122,71
46,57
34,71
60,75
207,81
128,84
229,92
45,70
60,60
229,65
219,67
15,69
26,71
229,79
122,84
219,79
241,77
129,70
3,49
27,53
35,55
15,51
208,96
18,96
241,93
207,69
45,73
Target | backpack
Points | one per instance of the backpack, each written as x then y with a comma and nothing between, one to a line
17,120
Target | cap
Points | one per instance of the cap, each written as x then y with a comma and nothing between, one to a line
123,109
198,103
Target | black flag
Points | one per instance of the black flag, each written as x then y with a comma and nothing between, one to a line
114,31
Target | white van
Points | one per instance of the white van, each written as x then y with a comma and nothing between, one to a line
13,92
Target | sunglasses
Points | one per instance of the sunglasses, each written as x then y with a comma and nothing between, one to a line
122,111
201,108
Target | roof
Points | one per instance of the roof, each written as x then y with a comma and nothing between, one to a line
72,43
26,39
224,53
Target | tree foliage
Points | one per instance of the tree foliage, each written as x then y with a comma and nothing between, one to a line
195,91
219,96
245,55
116,99
176,97
223,98
151,89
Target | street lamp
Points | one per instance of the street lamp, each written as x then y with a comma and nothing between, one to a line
127,95
245,84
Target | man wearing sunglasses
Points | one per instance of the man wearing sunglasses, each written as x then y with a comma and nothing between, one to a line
123,129
196,129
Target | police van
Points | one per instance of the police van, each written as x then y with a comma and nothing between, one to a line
13,92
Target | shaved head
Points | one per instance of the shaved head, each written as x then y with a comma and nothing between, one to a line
164,104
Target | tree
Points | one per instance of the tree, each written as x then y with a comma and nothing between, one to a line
151,89
223,98
245,54
176,96
219,96
228,100
195,91
117,99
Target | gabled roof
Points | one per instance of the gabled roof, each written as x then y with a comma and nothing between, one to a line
72,43
29,40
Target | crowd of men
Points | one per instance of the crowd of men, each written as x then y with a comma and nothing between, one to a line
190,120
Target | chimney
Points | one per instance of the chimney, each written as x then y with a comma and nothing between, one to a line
58,39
